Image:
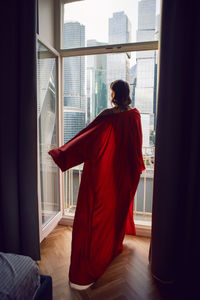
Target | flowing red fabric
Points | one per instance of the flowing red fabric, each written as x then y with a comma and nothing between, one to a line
111,149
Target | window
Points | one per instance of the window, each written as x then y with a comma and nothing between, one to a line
86,88
48,132
86,92
117,40
109,22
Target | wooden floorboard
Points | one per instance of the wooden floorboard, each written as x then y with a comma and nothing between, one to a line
127,277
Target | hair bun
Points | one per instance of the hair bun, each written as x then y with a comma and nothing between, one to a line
122,93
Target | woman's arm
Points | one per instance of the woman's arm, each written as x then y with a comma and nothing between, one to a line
84,146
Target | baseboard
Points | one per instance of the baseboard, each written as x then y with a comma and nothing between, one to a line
67,221
143,230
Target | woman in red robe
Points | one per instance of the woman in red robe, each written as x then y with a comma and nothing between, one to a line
111,149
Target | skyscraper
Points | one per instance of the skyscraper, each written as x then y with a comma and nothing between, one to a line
74,94
74,121
119,28
74,35
146,20
96,82
146,69
118,64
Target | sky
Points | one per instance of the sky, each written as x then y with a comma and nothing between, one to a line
94,14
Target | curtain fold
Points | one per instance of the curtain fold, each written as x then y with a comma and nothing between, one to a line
19,229
175,249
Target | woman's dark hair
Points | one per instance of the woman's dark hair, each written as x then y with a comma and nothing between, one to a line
122,93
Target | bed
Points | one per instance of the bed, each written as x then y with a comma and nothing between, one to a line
20,279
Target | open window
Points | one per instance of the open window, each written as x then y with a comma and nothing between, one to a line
98,42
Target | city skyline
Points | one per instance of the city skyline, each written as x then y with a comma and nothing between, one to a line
87,78
97,24
138,68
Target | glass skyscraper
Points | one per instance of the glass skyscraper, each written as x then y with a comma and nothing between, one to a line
145,85
146,20
119,28
118,64
96,82
74,121
74,94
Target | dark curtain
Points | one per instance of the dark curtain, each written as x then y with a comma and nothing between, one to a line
19,230
175,245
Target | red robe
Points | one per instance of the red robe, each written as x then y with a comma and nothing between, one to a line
111,149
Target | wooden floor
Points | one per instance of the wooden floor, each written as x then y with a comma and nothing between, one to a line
127,277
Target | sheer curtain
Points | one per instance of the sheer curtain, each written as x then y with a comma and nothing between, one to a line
175,250
19,232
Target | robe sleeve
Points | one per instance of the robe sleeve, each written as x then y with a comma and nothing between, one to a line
84,146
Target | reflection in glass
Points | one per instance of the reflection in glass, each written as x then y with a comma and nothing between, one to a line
48,135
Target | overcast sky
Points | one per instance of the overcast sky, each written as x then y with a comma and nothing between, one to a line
94,14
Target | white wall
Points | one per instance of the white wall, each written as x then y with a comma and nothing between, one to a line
46,21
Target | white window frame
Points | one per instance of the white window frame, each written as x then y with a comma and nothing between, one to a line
45,230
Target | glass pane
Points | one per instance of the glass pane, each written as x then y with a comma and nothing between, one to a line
111,22
87,92
48,132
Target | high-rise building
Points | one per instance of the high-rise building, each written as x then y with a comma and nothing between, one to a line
146,20
74,121
96,82
118,64
119,28
74,93
74,35
145,88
